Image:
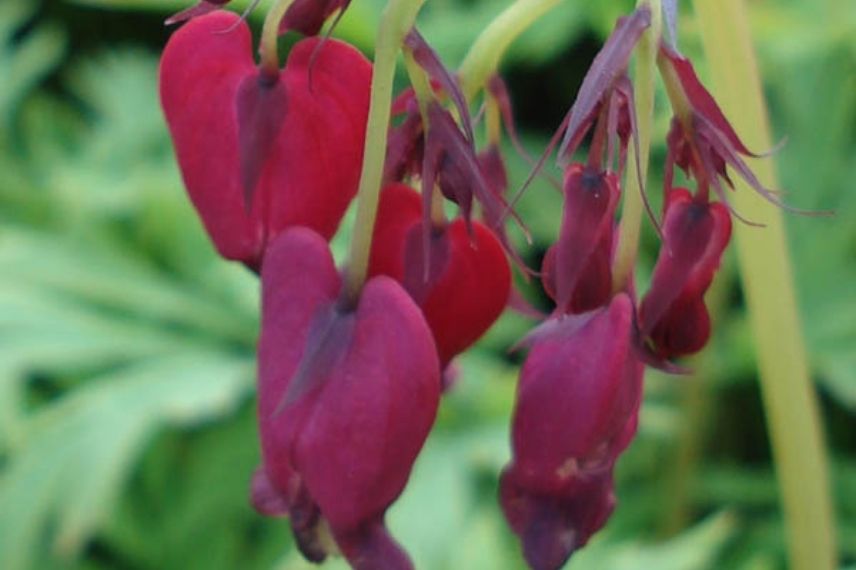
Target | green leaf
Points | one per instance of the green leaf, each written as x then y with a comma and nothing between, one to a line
79,451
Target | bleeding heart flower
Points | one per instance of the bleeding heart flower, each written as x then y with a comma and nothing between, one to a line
468,281
259,154
347,396
577,402
673,314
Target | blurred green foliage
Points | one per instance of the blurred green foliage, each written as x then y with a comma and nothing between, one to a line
127,430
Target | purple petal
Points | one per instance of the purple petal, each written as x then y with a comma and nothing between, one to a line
608,65
262,107
428,59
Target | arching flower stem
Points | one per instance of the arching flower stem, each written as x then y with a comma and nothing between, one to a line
270,36
487,51
396,21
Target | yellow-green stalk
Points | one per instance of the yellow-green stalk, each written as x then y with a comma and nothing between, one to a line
485,54
396,21
270,36
789,398
643,87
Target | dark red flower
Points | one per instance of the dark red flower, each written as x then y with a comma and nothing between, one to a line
672,314
468,281
577,270
577,402
259,154
347,396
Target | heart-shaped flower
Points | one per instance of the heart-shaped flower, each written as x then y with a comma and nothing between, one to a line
577,408
673,316
259,154
347,396
468,281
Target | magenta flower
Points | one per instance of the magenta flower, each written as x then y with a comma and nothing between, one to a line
468,281
577,401
347,396
673,315
256,152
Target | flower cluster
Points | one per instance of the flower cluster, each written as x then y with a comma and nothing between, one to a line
349,378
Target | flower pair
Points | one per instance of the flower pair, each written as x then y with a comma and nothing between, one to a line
348,385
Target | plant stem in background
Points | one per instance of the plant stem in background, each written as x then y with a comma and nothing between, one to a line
397,19
631,213
696,404
485,54
789,398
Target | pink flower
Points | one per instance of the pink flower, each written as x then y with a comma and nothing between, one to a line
576,410
347,396
259,154
695,234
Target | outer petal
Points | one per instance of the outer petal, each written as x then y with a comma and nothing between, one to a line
369,421
344,447
469,283
575,397
298,279
319,152
200,73
472,292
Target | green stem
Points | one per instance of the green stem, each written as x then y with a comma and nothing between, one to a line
696,404
485,54
421,85
631,213
789,398
270,36
397,19
492,120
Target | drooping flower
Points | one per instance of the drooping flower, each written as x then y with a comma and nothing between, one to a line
257,152
347,396
673,315
468,281
576,410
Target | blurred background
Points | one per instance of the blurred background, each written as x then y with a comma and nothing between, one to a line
127,428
